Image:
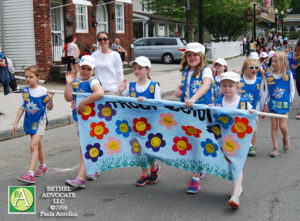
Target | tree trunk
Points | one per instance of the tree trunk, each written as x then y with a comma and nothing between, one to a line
191,25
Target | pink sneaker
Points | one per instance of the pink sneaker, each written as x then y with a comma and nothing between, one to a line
41,171
27,178
193,186
76,183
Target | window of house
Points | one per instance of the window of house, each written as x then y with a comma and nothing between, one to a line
120,18
101,16
81,19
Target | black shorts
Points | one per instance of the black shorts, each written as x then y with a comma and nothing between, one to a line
70,60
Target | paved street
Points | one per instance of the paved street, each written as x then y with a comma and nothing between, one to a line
271,186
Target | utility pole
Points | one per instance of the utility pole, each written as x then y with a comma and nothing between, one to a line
187,9
201,21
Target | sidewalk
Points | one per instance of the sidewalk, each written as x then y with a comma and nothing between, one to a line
167,75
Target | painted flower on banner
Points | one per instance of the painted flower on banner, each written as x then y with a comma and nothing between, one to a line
141,126
215,130
209,148
135,147
93,152
167,120
181,145
98,130
123,128
155,141
241,127
191,131
106,111
88,111
224,120
113,146
230,146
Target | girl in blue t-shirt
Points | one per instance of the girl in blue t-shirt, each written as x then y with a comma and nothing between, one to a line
196,87
220,66
280,92
141,89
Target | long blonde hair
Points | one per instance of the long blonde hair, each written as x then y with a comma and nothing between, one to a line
35,70
283,64
247,62
200,66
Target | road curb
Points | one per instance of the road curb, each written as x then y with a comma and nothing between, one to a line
54,123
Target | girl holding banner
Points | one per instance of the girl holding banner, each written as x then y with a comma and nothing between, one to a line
196,87
87,84
143,88
252,88
280,92
230,88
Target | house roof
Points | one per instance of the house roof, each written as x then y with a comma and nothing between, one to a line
158,17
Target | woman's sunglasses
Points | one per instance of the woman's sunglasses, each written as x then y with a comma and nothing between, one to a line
102,39
252,67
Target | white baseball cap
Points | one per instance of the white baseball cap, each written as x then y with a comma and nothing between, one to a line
87,60
263,55
142,61
254,55
195,47
220,61
230,75
271,53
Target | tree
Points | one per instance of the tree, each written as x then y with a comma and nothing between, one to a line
222,18
282,5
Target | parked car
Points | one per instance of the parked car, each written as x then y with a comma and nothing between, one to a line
165,49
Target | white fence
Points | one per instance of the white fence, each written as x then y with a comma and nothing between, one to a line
223,49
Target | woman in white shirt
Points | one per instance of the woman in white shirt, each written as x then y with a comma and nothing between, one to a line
108,68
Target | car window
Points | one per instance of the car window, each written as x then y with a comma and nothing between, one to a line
169,41
152,41
141,42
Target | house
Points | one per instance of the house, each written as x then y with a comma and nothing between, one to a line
148,24
34,31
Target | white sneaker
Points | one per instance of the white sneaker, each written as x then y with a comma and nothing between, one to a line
234,202
93,176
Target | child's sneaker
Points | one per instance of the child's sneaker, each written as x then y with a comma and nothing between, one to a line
193,186
93,176
298,116
144,180
274,152
234,202
27,178
41,171
76,183
286,143
154,177
252,152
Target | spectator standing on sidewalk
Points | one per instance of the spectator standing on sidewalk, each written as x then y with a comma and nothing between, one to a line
196,87
108,65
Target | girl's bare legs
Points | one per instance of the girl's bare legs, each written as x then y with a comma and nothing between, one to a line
34,147
238,185
274,131
81,172
41,153
283,127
